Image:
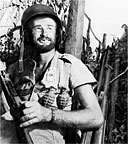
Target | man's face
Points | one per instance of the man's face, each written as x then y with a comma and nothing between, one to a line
43,33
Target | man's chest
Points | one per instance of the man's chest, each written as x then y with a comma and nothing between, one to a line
49,90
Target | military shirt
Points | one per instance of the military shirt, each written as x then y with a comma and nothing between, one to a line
54,89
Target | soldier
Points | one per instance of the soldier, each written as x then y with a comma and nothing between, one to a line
51,82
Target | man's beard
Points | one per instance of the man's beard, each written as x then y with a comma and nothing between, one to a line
44,48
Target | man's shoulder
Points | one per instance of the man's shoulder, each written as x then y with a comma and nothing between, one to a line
68,58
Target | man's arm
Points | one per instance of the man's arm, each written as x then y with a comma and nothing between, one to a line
89,117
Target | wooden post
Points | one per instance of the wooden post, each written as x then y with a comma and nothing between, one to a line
113,98
73,42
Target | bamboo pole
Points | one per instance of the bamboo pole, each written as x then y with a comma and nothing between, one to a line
101,71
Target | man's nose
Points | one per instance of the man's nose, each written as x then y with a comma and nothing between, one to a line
43,32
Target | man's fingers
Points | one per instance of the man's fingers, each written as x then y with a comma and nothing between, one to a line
28,111
28,104
30,122
28,117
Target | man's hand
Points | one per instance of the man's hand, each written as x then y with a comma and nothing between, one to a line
34,113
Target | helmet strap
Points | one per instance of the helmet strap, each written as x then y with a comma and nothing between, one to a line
21,69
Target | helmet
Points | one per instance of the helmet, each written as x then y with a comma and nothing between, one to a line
39,9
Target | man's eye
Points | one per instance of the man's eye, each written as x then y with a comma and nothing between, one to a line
50,28
38,28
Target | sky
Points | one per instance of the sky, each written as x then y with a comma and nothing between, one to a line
107,16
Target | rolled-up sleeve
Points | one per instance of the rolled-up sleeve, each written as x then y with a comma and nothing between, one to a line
80,74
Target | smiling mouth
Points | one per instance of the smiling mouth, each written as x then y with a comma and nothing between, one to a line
42,40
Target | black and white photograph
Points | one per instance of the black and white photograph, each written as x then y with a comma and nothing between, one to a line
63,71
